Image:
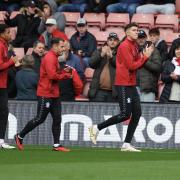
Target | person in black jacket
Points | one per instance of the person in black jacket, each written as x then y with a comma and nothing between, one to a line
160,44
82,42
38,53
104,62
27,26
157,6
171,77
98,6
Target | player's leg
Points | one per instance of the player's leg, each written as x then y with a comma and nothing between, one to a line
43,109
56,125
124,96
136,114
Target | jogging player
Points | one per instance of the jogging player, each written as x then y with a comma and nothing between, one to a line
48,95
128,60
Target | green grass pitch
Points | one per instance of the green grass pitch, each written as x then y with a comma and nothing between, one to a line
41,163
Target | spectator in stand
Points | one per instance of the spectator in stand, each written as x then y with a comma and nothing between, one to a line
171,51
102,87
52,3
27,24
73,60
160,44
37,54
74,6
48,12
27,80
83,43
72,87
99,6
52,31
148,75
156,7
171,77
10,5
124,6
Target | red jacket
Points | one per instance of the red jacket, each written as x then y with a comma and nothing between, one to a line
128,60
77,82
50,74
5,63
55,34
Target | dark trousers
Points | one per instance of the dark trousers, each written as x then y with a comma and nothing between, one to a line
3,112
46,106
129,103
103,96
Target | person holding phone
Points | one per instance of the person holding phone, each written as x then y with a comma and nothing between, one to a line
149,74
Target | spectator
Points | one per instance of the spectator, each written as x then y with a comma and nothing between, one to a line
48,12
160,44
148,75
27,24
72,87
74,6
82,42
52,3
52,31
172,50
10,5
171,77
37,54
73,60
104,62
124,6
27,80
156,7
98,6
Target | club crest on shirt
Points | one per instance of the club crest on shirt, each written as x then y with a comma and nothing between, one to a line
128,100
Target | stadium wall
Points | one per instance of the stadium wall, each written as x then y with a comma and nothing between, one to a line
159,126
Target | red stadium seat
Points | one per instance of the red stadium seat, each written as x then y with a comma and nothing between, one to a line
101,37
95,19
144,20
71,18
167,21
2,16
89,74
14,14
117,19
178,6
169,36
93,29
69,31
13,32
29,51
19,52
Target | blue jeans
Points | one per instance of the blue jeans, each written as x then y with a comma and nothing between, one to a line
9,8
123,8
73,8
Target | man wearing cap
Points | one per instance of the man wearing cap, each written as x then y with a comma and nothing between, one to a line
83,43
104,62
5,64
52,31
128,60
148,75
27,26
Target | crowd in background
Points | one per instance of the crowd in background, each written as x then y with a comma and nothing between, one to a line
40,21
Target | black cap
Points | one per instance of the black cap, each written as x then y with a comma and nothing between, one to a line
3,27
30,3
113,35
142,34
